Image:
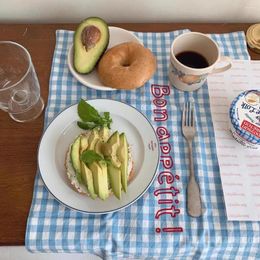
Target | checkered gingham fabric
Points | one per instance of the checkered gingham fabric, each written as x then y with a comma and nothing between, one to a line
157,225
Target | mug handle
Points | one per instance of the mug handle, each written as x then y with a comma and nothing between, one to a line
226,67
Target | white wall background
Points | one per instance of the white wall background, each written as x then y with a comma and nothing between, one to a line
66,11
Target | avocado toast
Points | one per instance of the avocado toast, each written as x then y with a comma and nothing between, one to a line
99,163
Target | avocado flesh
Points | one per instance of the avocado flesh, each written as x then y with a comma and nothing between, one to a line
87,178
99,171
103,137
86,174
114,175
95,176
83,143
93,138
123,158
104,134
98,147
85,60
75,158
111,147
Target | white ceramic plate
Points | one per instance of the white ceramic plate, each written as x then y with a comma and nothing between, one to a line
62,131
117,36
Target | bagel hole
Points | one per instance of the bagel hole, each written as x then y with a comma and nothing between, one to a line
126,64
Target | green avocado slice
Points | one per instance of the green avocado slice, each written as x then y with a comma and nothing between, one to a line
104,134
99,171
110,148
86,174
98,148
91,39
114,175
75,158
122,154
87,178
93,139
84,142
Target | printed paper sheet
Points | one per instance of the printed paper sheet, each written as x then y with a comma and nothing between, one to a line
239,166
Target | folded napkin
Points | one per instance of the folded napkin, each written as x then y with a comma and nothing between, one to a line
157,225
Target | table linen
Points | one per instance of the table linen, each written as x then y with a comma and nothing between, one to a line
157,225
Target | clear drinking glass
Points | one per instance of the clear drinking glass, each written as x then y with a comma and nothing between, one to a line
19,85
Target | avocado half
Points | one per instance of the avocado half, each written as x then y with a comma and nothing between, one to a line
91,39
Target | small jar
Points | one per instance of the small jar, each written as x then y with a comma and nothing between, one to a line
245,118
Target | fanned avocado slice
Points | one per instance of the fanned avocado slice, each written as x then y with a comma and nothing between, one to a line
110,148
93,139
86,174
123,157
114,175
84,142
87,177
75,158
100,178
90,42
104,133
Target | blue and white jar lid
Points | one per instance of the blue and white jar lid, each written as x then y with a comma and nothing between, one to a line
245,118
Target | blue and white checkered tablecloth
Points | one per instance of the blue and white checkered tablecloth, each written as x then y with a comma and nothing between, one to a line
135,232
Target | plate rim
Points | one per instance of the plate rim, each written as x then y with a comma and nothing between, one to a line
106,211
75,73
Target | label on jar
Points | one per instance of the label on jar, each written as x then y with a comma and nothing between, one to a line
245,118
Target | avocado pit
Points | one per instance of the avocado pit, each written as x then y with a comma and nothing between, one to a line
90,36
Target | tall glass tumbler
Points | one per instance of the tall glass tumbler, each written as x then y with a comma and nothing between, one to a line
19,86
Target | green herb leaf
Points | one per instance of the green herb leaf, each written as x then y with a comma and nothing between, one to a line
91,118
90,156
87,113
108,161
107,119
85,125
107,115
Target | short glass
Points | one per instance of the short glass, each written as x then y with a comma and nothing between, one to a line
19,85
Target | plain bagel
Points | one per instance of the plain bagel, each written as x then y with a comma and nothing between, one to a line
126,66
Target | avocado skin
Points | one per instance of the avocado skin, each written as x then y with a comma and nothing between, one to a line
85,61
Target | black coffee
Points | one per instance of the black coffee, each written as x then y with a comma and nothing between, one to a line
192,59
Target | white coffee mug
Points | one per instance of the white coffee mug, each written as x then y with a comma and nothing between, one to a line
185,77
